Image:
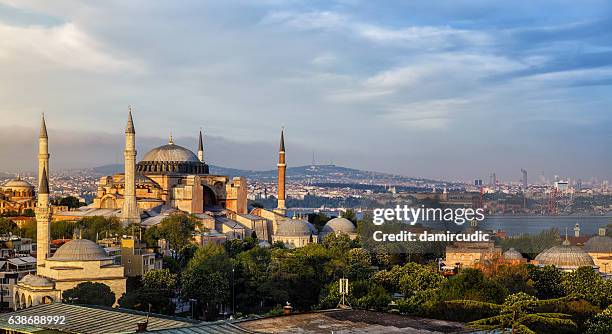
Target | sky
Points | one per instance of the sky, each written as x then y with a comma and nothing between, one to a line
449,90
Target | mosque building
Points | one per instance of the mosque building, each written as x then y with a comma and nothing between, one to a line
17,196
75,262
171,179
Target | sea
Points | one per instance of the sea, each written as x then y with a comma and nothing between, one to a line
514,225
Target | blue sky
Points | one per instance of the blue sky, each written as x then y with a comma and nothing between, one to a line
444,89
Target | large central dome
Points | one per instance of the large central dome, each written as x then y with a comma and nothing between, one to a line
170,152
171,159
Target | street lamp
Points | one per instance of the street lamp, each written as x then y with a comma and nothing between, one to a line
233,292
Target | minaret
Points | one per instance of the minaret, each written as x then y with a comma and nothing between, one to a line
130,212
282,166
43,219
201,148
43,149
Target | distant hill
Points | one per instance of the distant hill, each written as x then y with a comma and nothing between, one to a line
312,173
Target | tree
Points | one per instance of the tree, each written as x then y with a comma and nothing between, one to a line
359,264
89,293
587,282
519,313
207,279
157,290
7,226
96,227
350,215
71,202
28,229
473,285
546,281
601,323
62,229
515,278
177,230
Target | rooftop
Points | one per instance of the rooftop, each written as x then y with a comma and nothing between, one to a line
352,321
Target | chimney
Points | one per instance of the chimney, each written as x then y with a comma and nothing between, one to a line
577,230
142,326
602,231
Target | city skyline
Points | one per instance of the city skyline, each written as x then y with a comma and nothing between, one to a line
434,91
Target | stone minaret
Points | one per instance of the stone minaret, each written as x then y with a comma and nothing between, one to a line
130,212
201,148
282,166
43,149
43,219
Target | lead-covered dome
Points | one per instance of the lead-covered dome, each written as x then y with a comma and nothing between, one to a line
36,281
80,250
171,158
513,254
339,225
294,228
18,183
170,152
599,244
565,257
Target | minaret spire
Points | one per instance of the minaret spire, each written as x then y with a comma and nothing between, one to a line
130,212
43,210
43,149
282,166
200,147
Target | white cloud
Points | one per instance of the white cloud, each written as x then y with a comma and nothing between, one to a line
64,45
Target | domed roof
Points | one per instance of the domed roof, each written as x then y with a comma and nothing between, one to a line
339,224
170,152
80,250
36,281
565,256
513,254
18,183
599,244
293,228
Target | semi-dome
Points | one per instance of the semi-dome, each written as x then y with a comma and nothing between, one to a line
599,244
565,257
293,228
80,250
36,281
339,225
18,183
170,152
171,158
513,254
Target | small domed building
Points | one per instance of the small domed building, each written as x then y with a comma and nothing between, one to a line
17,195
565,257
75,262
338,226
295,233
513,256
599,248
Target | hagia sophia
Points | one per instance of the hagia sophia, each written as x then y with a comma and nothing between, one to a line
171,178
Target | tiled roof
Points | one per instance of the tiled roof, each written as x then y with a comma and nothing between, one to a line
93,320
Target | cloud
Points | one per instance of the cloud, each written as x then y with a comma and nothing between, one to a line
353,81
65,45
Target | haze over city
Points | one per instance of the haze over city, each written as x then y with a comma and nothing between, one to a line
443,91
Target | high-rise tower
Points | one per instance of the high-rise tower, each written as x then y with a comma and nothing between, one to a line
43,149
200,148
282,166
130,212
